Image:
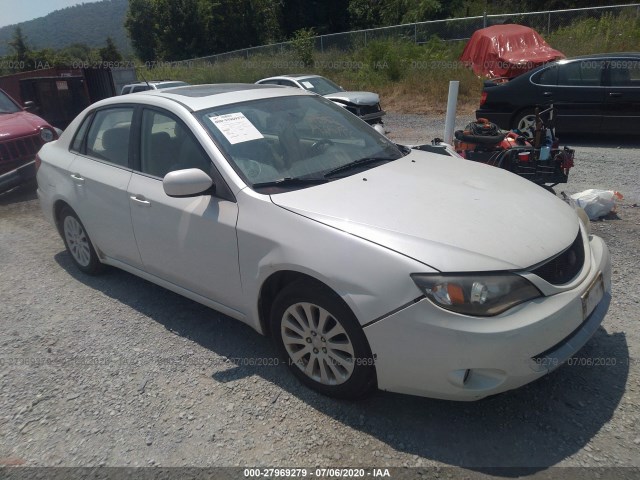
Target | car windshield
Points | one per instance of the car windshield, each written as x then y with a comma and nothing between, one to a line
293,142
320,85
7,105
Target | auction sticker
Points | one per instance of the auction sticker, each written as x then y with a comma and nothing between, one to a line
236,127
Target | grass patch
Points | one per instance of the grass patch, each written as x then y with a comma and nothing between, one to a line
410,78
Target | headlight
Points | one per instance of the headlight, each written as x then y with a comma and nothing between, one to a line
477,294
46,135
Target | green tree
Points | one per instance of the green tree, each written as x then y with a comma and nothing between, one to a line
110,53
21,51
141,25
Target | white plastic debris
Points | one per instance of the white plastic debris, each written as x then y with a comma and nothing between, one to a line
597,203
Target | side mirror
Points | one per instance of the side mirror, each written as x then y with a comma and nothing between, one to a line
29,106
189,182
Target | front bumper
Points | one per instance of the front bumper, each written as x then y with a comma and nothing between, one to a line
16,177
427,351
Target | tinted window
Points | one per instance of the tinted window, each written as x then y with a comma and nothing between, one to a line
548,76
108,137
584,73
271,82
140,88
76,146
288,83
166,144
624,73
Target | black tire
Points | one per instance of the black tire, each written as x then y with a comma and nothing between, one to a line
336,372
78,243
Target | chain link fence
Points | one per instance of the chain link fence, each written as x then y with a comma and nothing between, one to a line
454,29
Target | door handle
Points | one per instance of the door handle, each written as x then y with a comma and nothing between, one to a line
615,94
77,178
547,94
141,200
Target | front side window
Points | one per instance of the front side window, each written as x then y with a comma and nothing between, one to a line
295,139
583,73
166,145
108,137
547,76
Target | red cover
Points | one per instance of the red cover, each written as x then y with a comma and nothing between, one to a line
507,51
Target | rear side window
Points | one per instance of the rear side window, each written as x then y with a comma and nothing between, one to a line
76,145
108,137
624,73
583,73
140,88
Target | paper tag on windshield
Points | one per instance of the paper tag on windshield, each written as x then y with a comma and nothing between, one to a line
236,127
308,84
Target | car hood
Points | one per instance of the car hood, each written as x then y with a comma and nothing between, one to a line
19,124
452,214
357,98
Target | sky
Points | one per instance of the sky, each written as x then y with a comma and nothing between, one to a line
16,11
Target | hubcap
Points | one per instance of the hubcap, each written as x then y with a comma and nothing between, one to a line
77,241
317,343
527,123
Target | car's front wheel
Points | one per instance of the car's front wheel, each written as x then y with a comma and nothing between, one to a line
78,243
320,339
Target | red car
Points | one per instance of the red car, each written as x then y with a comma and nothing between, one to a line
21,136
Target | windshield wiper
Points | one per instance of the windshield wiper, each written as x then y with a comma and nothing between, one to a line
356,163
290,181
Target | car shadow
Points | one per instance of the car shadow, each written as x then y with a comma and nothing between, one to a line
19,194
509,435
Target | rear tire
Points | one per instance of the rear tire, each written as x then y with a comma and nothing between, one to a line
321,341
525,121
78,243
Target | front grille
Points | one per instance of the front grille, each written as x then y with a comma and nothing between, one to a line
367,109
563,267
23,148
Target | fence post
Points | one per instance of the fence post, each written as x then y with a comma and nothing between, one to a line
415,33
484,19
321,43
365,38
549,24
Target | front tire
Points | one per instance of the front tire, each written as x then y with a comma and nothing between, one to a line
78,243
323,344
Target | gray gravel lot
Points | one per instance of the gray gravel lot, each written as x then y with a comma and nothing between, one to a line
115,371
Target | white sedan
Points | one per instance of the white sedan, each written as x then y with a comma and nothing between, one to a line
370,264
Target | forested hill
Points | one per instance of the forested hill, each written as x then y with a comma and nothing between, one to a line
87,23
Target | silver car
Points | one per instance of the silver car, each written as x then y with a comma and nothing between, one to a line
370,264
365,105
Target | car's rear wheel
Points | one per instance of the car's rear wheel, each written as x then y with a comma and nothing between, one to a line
78,242
320,339
525,121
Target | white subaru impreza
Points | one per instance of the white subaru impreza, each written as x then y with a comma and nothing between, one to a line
369,263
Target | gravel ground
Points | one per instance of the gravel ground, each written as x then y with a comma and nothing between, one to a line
115,371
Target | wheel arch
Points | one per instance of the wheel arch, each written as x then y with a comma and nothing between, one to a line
274,284
518,113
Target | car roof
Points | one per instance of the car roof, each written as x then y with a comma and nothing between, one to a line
199,97
607,55
294,76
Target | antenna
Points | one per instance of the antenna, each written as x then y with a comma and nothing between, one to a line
145,80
